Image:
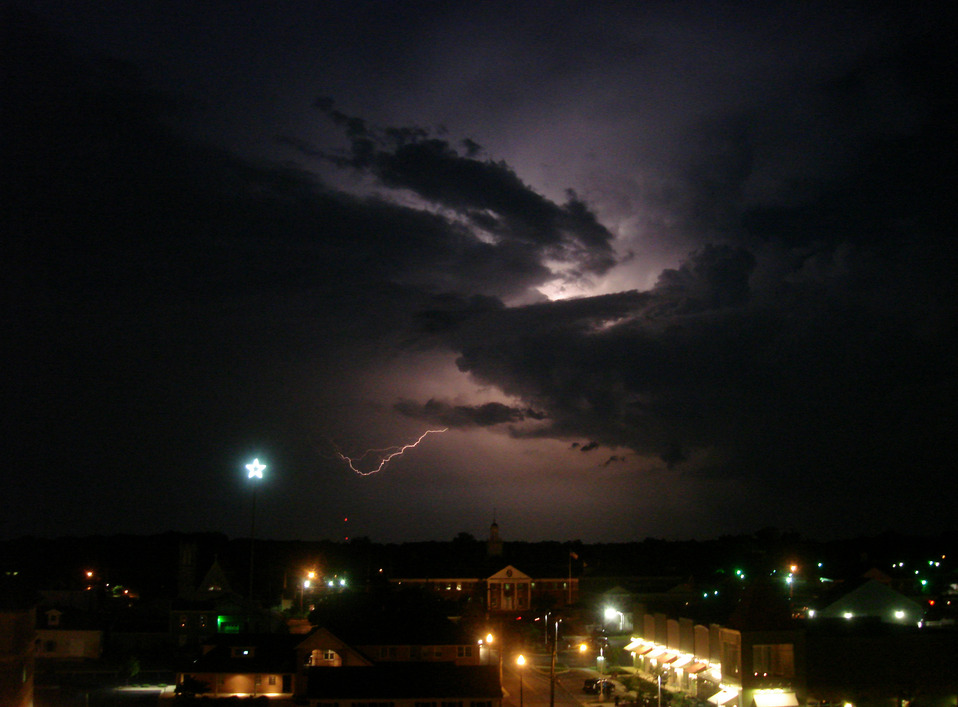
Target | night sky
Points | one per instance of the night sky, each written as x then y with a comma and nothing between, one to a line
658,269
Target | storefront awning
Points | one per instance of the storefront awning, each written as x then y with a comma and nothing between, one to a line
723,696
667,658
775,698
634,643
656,653
695,668
682,662
642,650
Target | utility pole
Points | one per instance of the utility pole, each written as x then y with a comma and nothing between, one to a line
552,668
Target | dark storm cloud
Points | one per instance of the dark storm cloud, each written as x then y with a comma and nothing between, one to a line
464,416
488,194
170,305
833,371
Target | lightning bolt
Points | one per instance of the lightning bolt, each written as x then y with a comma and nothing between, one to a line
393,452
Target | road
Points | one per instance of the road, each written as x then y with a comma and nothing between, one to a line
535,685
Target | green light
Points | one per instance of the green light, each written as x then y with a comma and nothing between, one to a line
227,624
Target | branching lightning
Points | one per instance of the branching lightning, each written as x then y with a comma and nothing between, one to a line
391,453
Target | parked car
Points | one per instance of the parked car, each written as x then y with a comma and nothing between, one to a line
594,686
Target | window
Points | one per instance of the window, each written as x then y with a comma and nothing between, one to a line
329,655
272,679
776,659
464,651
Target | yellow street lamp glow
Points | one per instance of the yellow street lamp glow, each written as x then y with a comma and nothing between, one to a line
521,660
488,638
583,648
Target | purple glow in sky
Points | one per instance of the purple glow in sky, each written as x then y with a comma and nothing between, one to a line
656,269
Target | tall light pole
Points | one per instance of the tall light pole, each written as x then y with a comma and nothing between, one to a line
255,471
552,668
521,662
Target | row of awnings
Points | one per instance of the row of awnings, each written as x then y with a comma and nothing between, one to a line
664,657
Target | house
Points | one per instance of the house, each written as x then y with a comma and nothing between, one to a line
871,599
212,607
247,665
68,634
369,636
508,590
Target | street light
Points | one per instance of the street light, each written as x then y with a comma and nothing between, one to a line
521,662
488,641
552,667
612,613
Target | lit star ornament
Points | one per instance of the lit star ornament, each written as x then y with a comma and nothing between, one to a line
255,469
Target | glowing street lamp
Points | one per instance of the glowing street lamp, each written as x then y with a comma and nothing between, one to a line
521,662
489,640
611,613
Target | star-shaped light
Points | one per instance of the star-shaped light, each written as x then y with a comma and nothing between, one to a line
255,469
